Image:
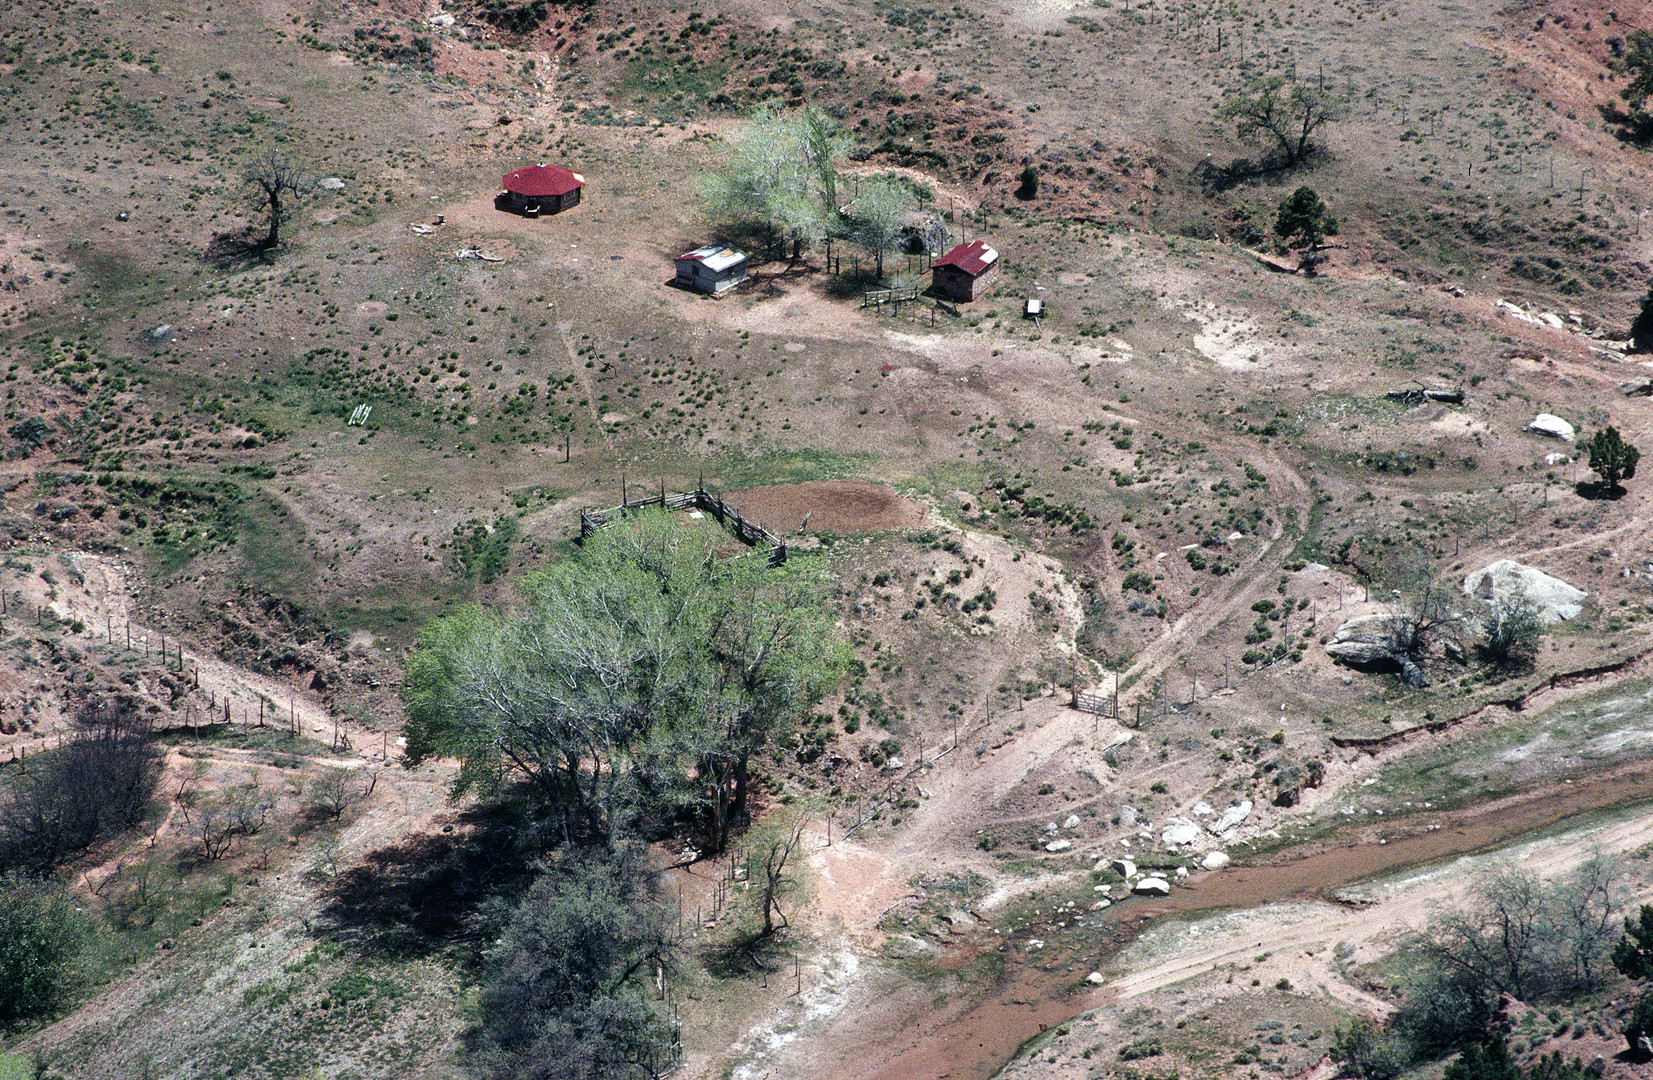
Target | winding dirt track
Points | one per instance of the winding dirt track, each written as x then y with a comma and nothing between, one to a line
1287,489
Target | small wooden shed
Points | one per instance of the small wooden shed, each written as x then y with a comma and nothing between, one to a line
960,273
714,269
540,189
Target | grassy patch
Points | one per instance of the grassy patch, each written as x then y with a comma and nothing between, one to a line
788,467
273,548
675,84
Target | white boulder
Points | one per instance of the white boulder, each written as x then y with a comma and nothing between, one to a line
1152,886
1214,860
1058,845
1232,817
1548,424
1180,833
1556,599
1095,978
1072,822
1125,868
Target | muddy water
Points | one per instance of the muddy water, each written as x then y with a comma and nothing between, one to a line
980,1042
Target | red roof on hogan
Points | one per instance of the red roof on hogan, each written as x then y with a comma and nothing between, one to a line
973,258
543,181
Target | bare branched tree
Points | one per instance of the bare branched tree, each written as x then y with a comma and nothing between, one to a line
771,848
1291,113
282,183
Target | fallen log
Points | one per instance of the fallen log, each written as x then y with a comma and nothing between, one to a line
1417,396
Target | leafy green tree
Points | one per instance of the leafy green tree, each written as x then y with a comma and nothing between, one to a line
877,217
1612,458
1484,1061
1640,1024
1442,1010
41,938
1290,113
1029,181
1633,957
1365,1050
1638,61
639,677
567,993
782,172
1303,222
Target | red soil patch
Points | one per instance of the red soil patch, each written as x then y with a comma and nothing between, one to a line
832,505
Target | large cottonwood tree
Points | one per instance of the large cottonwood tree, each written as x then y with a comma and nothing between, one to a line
637,679
782,173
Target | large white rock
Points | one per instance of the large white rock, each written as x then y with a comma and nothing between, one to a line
1072,822
1214,860
1364,638
1555,598
1180,833
1058,845
1095,978
1152,886
1232,817
1125,868
1548,424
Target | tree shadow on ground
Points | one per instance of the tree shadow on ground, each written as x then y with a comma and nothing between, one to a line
1215,179
1633,128
240,249
1598,491
430,891
747,953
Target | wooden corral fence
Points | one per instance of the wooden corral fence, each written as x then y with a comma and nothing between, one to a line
901,294
746,531
1100,704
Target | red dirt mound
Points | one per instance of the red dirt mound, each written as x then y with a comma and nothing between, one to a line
832,505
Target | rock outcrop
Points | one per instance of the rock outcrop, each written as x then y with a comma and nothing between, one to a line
1372,639
1556,599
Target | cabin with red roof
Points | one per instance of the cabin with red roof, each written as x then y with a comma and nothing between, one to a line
540,189
958,274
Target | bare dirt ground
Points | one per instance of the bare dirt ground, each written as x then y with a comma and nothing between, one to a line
844,506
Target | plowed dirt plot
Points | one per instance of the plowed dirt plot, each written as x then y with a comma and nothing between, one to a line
844,506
